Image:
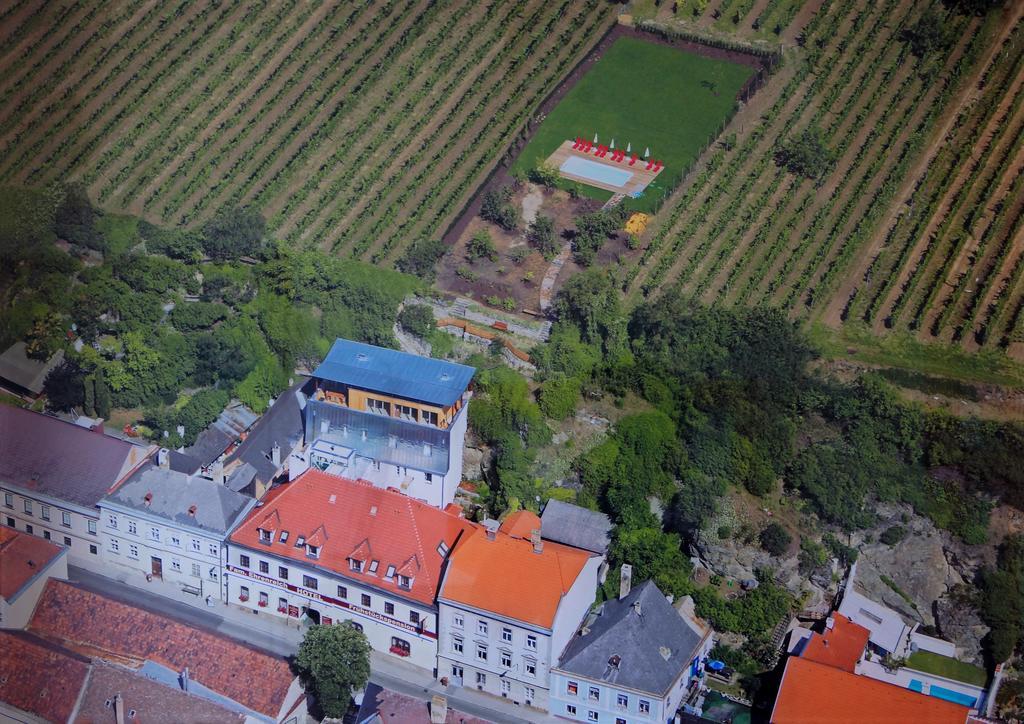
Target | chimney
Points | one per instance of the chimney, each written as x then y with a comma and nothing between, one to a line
119,709
184,679
149,499
538,544
163,458
636,608
275,454
491,526
625,580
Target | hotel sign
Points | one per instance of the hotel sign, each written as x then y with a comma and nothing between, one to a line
315,596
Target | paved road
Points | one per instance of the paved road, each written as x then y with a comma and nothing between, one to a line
265,633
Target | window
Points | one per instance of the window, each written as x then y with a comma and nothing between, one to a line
506,687
591,715
365,600
266,536
531,668
175,541
243,593
112,521
195,545
379,407
390,573
44,512
264,599
282,573
314,551
133,551
457,644
243,561
309,582
531,642
442,548
213,550
595,694
481,628
506,659
355,565
131,524
342,592
90,525
10,521
399,646
115,545
264,567
374,565
282,605
8,500
429,417
572,688
28,507
458,621
93,549
389,608
506,633
46,534
407,413
457,671
404,582
530,693
195,570
283,538
154,533
356,625
429,478
67,541
570,709
620,720
481,652
622,701
481,679
645,706
176,565
212,574
29,529
414,618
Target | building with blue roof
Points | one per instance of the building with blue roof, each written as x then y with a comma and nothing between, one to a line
395,419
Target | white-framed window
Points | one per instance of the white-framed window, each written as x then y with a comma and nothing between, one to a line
44,512
28,506
90,525
570,709
456,644
481,627
594,694
355,565
458,621
530,693
406,412
428,417
243,560
481,678
266,536
195,570
264,599
429,477
264,567
506,659
404,582
282,573
531,642
389,608
506,687
213,549
309,582
212,573
112,521
132,528
506,634
243,593
530,667
196,545
645,706
154,533
592,715
622,701
379,407
133,551
457,671
115,546
9,500
176,565
481,652
175,541
342,593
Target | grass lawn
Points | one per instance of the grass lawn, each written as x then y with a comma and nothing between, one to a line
650,96
940,665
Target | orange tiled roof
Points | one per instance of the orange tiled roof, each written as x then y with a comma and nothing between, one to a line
506,577
365,522
841,646
520,524
813,693
95,625
39,678
22,556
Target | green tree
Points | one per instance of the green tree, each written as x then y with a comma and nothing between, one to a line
76,218
335,660
806,154
544,174
498,209
775,539
541,236
417,319
64,386
1002,600
592,230
929,34
421,257
559,396
481,246
696,502
590,302
655,555
233,233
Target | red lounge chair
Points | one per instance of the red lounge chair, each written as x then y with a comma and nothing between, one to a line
650,165
576,144
632,160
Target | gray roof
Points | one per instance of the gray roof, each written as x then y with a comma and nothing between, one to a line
17,367
60,459
282,424
410,376
638,640
233,420
217,507
574,526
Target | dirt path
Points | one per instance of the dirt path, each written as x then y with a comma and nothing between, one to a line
968,93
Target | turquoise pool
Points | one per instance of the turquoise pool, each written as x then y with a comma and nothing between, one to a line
940,692
594,171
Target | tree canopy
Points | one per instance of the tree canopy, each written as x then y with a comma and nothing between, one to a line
335,660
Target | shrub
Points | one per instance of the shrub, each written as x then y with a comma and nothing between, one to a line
544,174
417,319
775,539
559,396
497,208
421,257
893,535
233,233
541,236
481,246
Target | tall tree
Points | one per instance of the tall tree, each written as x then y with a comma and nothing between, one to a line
335,660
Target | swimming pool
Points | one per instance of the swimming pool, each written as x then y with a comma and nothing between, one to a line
593,171
940,692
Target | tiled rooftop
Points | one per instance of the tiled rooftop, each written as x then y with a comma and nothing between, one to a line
840,646
356,519
39,678
395,708
22,557
94,625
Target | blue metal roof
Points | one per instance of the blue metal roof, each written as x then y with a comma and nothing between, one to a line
389,371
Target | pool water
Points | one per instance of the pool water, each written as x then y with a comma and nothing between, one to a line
593,171
940,692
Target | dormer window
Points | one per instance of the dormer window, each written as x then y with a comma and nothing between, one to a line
300,541
404,582
355,565
266,536
313,551
373,566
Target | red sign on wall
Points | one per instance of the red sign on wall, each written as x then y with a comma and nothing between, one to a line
293,611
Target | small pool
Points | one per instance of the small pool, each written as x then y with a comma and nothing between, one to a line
593,171
940,692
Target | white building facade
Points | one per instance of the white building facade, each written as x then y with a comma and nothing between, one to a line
75,527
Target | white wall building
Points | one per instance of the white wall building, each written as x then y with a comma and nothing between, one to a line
171,527
508,605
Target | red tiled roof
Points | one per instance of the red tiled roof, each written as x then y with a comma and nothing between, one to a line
813,693
95,625
39,678
22,556
841,646
520,524
506,577
364,522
